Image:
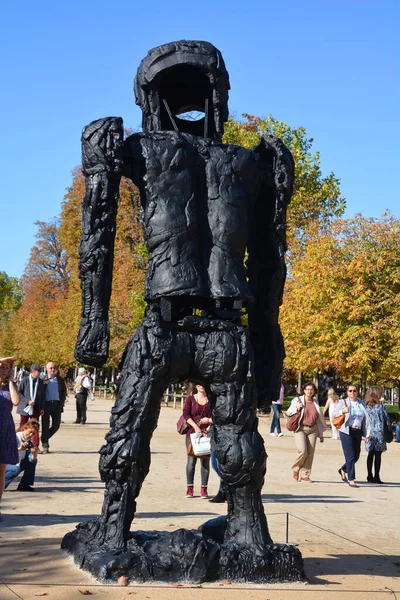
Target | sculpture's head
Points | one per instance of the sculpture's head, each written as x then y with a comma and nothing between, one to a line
180,77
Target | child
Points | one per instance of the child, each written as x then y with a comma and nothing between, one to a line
27,458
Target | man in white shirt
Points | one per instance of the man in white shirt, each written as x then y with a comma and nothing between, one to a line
82,388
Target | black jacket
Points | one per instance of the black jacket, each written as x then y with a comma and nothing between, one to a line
62,389
24,392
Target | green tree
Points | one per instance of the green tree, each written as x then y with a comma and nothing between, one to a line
316,198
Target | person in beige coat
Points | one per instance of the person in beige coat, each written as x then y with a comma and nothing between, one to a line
311,426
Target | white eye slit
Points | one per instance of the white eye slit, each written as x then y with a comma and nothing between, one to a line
191,115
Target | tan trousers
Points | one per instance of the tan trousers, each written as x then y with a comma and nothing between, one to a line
305,439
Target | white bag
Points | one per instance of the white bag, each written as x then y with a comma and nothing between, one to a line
200,444
28,409
91,396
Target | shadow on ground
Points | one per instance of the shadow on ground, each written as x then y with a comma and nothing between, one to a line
350,564
31,561
294,498
42,520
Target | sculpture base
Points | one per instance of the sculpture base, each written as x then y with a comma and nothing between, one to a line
184,556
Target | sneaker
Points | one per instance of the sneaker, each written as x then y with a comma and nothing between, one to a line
189,491
44,451
305,479
280,434
272,434
25,488
203,492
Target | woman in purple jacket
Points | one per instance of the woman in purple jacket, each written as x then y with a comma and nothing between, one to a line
197,414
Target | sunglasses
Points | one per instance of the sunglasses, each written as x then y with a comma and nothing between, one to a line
352,391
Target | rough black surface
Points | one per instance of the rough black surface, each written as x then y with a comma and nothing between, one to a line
204,205
192,556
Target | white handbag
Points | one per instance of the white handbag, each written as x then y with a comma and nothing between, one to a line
200,444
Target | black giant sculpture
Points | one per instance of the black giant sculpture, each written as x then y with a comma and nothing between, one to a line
204,204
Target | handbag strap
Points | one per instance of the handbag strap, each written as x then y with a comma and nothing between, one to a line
203,405
203,411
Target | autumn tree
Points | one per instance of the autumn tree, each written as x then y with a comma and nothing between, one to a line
11,297
316,197
341,304
130,261
48,259
45,283
130,264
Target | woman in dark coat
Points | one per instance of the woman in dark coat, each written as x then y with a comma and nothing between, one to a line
376,445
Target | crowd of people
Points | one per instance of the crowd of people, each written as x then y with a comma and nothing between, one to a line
38,396
357,419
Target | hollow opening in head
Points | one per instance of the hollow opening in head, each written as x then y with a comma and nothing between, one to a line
184,93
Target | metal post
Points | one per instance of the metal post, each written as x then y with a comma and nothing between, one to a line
206,119
171,116
287,528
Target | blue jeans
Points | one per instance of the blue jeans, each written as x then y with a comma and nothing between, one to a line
12,471
27,466
215,466
275,419
351,445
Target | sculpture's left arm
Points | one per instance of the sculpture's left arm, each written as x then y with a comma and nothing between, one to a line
266,264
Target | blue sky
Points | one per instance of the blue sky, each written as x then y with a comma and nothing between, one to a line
331,66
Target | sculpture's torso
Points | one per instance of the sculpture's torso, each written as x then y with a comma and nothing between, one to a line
197,196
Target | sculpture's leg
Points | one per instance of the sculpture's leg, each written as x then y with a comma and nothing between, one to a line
236,441
236,547
242,460
125,459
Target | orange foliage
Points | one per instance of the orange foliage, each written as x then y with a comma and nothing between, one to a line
341,304
47,323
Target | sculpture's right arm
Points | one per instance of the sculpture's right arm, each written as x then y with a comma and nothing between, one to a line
102,165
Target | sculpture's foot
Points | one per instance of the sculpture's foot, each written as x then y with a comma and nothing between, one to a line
185,555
